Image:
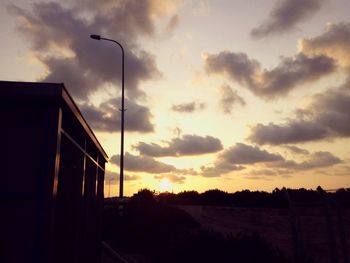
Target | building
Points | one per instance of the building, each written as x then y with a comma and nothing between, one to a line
52,177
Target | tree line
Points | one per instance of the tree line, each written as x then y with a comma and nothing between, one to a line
245,198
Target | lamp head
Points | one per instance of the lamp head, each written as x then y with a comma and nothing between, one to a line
97,37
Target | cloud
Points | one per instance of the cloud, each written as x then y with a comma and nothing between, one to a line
240,156
188,107
190,171
334,43
327,118
132,18
319,160
185,145
59,37
269,84
285,168
219,168
233,159
294,131
146,164
229,98
316,160
106,117
295,149
176,179
260,173
246,154
131,177
65,70
286,15
341,170
113,177
237,66
142,164
172,24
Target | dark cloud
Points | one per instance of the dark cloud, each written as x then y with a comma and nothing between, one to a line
316,160
332,109
78,85
176,179
114,177
269,84
246,154
292,72
131,17
237,66
295,149
286,15
292,132
319,160
287,167
106,117
229,98
328,117
188,107
237,157
334,42
59,35
185,145
219,168
233,159
142,164
190,171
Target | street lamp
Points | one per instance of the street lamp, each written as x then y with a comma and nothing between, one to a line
122,110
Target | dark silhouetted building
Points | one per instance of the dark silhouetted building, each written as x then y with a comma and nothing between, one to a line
52,176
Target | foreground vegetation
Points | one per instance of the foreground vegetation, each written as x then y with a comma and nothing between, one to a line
156,232
151,227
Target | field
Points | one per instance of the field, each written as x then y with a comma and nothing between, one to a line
274,225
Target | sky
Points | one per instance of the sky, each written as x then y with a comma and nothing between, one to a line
221,94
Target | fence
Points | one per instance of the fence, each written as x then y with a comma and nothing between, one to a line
328,204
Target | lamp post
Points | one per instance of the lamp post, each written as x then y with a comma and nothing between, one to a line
122,110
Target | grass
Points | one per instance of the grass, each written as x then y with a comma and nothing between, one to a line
163,233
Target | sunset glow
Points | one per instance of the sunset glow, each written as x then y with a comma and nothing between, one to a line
165,186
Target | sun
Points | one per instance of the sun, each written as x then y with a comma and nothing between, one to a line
165,185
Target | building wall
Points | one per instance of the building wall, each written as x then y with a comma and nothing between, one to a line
29,140
52,175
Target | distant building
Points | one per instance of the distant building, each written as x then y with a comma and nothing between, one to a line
52,177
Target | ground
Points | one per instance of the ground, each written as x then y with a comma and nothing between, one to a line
274,225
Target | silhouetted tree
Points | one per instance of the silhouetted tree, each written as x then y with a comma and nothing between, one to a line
215,197
188,198
144,197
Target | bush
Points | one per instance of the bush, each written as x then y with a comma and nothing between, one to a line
205,245
143,197
163,233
